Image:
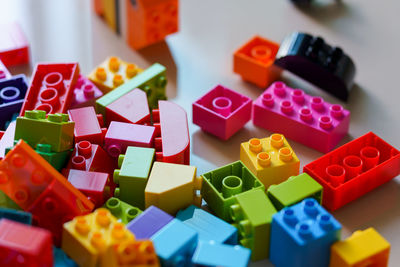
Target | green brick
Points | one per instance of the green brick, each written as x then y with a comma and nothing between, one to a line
221,185
252,215
133,174
7,202
54,130
121,210
152,80
294,190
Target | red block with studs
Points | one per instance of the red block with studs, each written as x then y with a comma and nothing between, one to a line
14,47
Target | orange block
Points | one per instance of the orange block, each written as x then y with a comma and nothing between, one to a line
254,61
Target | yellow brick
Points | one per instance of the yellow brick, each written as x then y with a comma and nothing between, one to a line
87,238
271,159
361,249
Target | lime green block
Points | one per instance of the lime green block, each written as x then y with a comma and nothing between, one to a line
54,130
221,185
252,214
121,210
7,202
133,174
294,190
152,80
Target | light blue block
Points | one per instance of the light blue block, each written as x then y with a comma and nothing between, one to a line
16,215
208,226
61,259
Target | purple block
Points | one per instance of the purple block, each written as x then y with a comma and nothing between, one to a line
149,222
85,93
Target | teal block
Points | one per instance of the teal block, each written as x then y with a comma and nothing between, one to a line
61,259
121,210
16,215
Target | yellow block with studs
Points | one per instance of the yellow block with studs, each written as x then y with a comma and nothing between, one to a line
271,159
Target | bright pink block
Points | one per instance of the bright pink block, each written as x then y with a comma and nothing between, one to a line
4,73
85,93
303,118
87,126
222,112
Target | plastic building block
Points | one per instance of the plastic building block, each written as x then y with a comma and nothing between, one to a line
252,215
354,169
254,61
120,135
176,192
61,259
319,63
215,254
24,245
87,126
112,73
54,130
222,112
16,215
149,222
149,22
303,118
294,190
12,93
4,73
307,231
56,159
271,159
121,210
52,88
133,174
110,12
91,184
208,227
85,93
14,47
362,248
152,81
175,244
172,142
7,140
87,238
7,202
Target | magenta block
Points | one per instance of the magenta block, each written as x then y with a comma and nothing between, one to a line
303,118
222,112
85,93
4,73
120,135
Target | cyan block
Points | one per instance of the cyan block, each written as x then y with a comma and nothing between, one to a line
16,215
302,234
61,259
208,227
175,244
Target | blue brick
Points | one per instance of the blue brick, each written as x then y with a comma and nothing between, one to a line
61,259
208,226
214,254
302,234
16,215
175,244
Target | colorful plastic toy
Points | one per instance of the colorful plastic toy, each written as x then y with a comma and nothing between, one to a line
61,259
56,159
14,48
303,118
354,169
16,215
121,210
109,10
4,73
7,140
87,125
85,93
222,112
7,202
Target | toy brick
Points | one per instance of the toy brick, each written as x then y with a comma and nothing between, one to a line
270,159
7,202
215,254
208,227
294,190
24,245
222,112
85,93
172,140
354,169
87,238
7,140
149,22
221,185
16,215
177,192
175,244
54,130
307,231
303,118
254,61
4,73
362,248
133,175
14,48
12,93
56,159
51,88
110,14
120,135
61,259
121,210
112,73
149,222
87,126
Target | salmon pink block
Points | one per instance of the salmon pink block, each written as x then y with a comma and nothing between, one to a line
222,112
87,126
4,73
303,118
85,93
354,169
14,47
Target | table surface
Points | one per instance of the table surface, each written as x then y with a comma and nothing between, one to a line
200,56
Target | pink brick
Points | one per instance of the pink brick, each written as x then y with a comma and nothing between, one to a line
222,112
303,118
4,73
85,93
